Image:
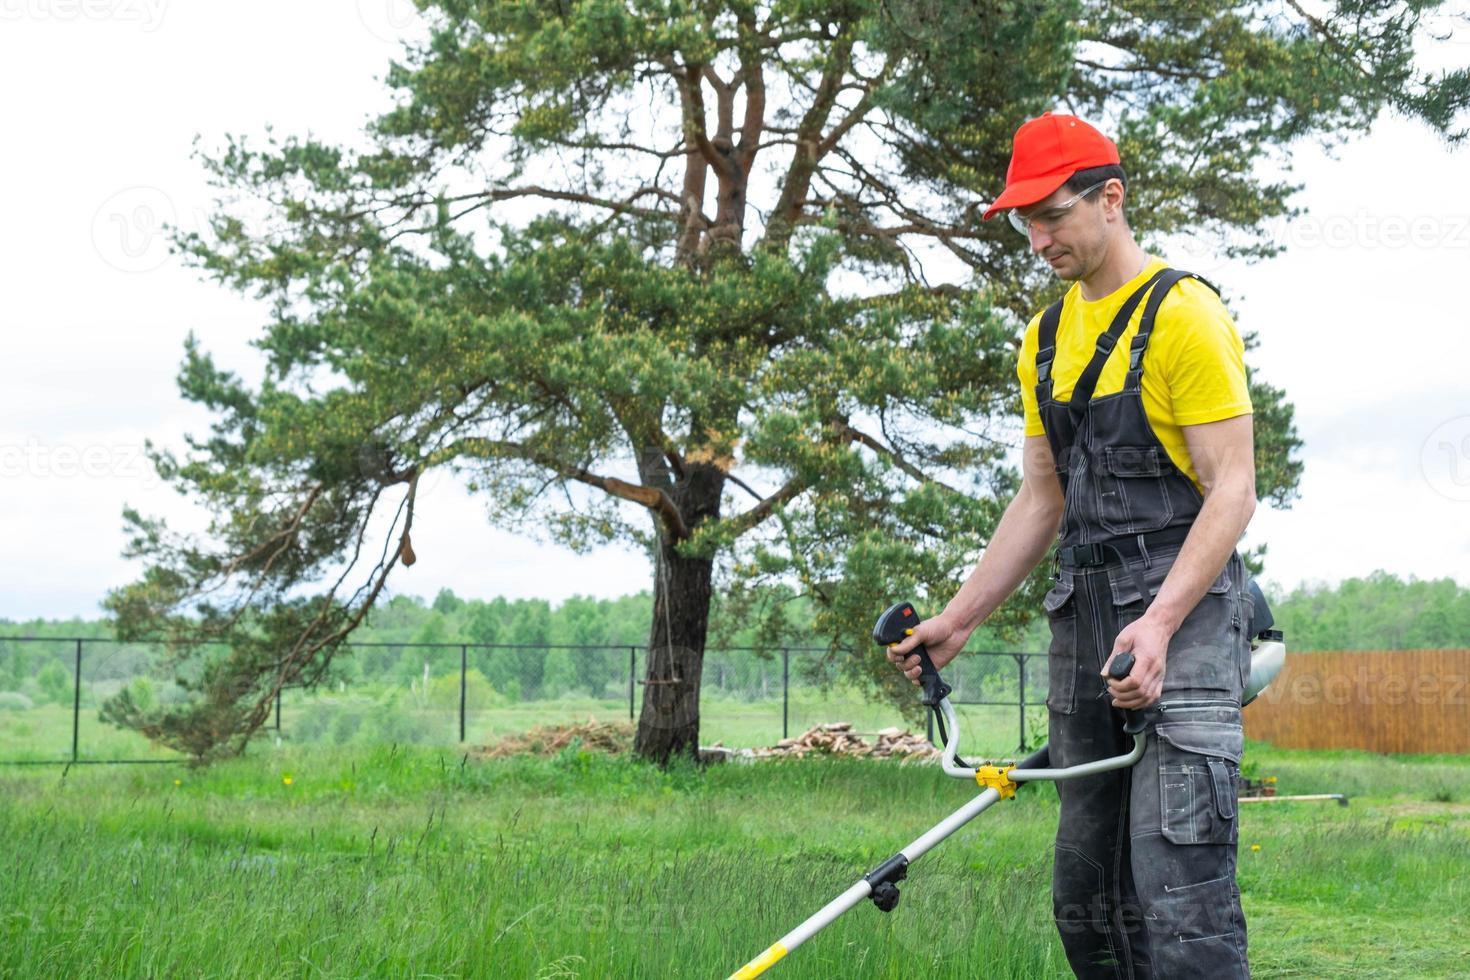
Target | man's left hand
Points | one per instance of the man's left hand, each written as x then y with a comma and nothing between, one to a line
1148,641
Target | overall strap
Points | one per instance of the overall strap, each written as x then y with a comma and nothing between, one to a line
1167,281
1106,341
1046,350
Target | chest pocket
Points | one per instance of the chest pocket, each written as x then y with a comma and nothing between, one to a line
1131,496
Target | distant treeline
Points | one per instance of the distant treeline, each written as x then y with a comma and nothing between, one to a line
1379,612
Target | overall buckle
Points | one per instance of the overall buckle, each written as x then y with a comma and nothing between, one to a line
1082,555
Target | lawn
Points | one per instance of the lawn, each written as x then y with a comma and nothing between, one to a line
335,861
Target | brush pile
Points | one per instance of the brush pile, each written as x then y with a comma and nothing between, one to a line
601,736
838,738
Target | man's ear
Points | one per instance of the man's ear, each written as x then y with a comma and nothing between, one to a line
1113,197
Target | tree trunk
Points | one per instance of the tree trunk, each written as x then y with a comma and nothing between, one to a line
668,725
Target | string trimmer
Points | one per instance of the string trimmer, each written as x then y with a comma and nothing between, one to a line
1268,651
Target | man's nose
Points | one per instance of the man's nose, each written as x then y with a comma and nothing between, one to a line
1039,239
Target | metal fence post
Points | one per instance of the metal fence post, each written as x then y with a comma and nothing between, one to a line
464,658
1021,706
278,712
76,704
632,670
785,692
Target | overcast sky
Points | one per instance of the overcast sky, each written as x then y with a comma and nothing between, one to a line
1363,320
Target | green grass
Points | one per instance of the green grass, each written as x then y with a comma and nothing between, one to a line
417,861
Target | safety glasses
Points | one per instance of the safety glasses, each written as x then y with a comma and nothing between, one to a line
1050,219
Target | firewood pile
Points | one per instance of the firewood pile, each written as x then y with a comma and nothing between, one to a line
838,738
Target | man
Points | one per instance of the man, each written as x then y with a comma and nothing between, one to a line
1138,452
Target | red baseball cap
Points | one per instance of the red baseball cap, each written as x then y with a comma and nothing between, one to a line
1044,153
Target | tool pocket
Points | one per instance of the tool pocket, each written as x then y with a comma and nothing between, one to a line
1061,660
1245,617
1125,588
1131,496
1203,651
1199,763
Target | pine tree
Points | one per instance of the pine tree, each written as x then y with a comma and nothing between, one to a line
655,271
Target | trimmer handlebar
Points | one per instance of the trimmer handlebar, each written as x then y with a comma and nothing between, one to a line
898,622
1121,666
901,619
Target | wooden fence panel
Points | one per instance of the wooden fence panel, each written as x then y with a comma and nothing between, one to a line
1379,700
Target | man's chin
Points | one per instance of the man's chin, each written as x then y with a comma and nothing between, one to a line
1066,268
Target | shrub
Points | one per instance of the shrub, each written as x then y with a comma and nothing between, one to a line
479,692
55,683
334,720
15,701
361,720
344,726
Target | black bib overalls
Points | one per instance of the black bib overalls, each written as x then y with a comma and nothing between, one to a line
1144,877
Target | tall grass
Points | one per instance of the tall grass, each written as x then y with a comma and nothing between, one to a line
411,861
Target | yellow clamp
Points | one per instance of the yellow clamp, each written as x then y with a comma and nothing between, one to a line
996,778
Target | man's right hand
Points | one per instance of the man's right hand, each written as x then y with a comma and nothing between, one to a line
941,635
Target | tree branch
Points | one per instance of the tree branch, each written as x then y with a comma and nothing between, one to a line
854,435
809,143
743,522
651,497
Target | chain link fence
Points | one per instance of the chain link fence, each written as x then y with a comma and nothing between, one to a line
451,694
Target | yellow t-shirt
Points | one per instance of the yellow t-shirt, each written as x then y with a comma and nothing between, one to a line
1193,369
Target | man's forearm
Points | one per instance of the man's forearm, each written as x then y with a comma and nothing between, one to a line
1221,521
1025,532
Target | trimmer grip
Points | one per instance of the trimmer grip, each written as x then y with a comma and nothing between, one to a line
1120,668
927,670
895,625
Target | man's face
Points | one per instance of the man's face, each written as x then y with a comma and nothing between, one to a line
1073,240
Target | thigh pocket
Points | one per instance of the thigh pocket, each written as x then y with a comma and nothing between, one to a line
1199,762
1061,660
